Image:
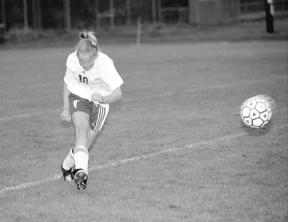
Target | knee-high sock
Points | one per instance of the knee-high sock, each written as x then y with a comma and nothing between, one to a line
81,158
69,162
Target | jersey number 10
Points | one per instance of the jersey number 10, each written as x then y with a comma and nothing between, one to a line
83,79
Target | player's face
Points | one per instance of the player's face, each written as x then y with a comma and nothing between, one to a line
86,60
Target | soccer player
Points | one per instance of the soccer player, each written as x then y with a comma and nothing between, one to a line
91,83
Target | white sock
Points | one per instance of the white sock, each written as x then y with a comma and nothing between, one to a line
81,158
69,162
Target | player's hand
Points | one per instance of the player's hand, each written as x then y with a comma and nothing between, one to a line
97,97
65,115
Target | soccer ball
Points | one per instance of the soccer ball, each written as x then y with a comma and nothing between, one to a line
256,112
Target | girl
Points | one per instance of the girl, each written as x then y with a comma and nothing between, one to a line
91,83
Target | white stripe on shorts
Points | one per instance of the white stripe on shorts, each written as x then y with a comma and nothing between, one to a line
102,115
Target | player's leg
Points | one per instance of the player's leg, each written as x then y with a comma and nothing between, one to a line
80,151
67,166
86,129
69,163
98,117
78,154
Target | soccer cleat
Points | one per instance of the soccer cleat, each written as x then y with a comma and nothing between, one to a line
67,174
80,178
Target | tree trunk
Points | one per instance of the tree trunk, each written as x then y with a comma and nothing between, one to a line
128,12
67,15
154,11
38,15
112,13
97,14
34,15
159,8
25,14
3,19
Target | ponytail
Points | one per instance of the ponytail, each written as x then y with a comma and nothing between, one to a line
87,43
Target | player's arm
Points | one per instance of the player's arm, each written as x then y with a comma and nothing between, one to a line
111,98
66,93
111,84
65,115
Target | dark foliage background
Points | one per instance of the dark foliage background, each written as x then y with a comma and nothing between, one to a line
83,13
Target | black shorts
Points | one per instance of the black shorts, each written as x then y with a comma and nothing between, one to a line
97,112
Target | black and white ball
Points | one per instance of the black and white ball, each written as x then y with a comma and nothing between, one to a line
256,112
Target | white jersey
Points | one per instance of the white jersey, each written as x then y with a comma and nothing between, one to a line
102,78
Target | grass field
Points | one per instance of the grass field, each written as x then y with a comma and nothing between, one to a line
173,149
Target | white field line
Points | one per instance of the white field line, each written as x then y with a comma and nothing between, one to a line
117,163
23,116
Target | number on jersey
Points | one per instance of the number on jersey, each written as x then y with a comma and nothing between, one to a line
83,79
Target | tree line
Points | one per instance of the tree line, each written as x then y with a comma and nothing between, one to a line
69,14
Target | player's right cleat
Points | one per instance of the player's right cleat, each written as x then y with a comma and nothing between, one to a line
80,178
67,174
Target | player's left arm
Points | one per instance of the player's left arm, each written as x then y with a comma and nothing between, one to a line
111,82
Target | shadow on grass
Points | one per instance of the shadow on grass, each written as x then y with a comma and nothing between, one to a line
257,132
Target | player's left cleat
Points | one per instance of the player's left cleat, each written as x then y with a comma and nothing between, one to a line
80,178
67,174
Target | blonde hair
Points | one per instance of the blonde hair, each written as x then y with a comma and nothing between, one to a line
88,43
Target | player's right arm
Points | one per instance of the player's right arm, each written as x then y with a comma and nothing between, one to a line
65,115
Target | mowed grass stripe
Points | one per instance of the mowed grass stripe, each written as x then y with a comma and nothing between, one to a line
117,163
23,116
